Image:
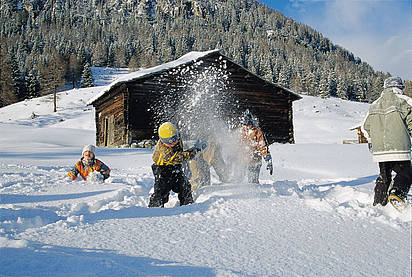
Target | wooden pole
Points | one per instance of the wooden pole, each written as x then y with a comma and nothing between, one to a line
55,100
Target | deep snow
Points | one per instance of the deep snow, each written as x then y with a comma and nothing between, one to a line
313,217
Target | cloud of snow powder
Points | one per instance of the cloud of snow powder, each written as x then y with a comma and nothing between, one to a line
203,108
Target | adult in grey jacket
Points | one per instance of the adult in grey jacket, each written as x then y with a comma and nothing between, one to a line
388,126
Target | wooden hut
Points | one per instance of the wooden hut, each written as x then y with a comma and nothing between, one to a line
361,136
124,109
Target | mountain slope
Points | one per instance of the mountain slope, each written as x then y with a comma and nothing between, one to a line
44,40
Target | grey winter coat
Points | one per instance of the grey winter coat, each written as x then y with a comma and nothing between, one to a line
388,126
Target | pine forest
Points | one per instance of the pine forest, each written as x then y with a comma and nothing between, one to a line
50,45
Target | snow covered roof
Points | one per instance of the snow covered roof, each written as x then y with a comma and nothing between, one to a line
185,59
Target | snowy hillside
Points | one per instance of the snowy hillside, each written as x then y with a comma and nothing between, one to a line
313,217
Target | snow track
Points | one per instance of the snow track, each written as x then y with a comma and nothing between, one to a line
240,227
313,217
236,229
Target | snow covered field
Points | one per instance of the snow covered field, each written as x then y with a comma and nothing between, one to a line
313,217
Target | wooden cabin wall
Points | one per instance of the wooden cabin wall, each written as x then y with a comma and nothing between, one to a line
141,125
129,107
274,115
110,119
144,106
271,105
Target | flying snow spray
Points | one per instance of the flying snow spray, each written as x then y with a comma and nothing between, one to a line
199,102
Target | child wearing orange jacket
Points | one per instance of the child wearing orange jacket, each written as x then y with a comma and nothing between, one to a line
256,147
89,166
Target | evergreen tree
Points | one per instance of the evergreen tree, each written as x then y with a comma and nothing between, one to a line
324,87
87,77
341,89
333,83
52,73
100,54
18,80
52,76
74,70
377,87
312,84
33,85
133,64
267,68
284,76
7,89
361,88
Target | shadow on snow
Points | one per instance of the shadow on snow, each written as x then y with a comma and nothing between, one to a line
210,195
19,198
49,260
286,188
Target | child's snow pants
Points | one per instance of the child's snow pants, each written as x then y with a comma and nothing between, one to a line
167,178
401,182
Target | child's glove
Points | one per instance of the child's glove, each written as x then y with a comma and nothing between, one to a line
95,177
200,146
269,165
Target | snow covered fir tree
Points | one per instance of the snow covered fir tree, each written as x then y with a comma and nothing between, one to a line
87,77
38,34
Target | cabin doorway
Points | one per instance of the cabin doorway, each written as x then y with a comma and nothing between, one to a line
108,131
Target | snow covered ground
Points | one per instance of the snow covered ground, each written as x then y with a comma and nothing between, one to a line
313,217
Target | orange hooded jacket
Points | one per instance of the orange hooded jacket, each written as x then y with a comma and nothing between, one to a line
255,142
84,171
